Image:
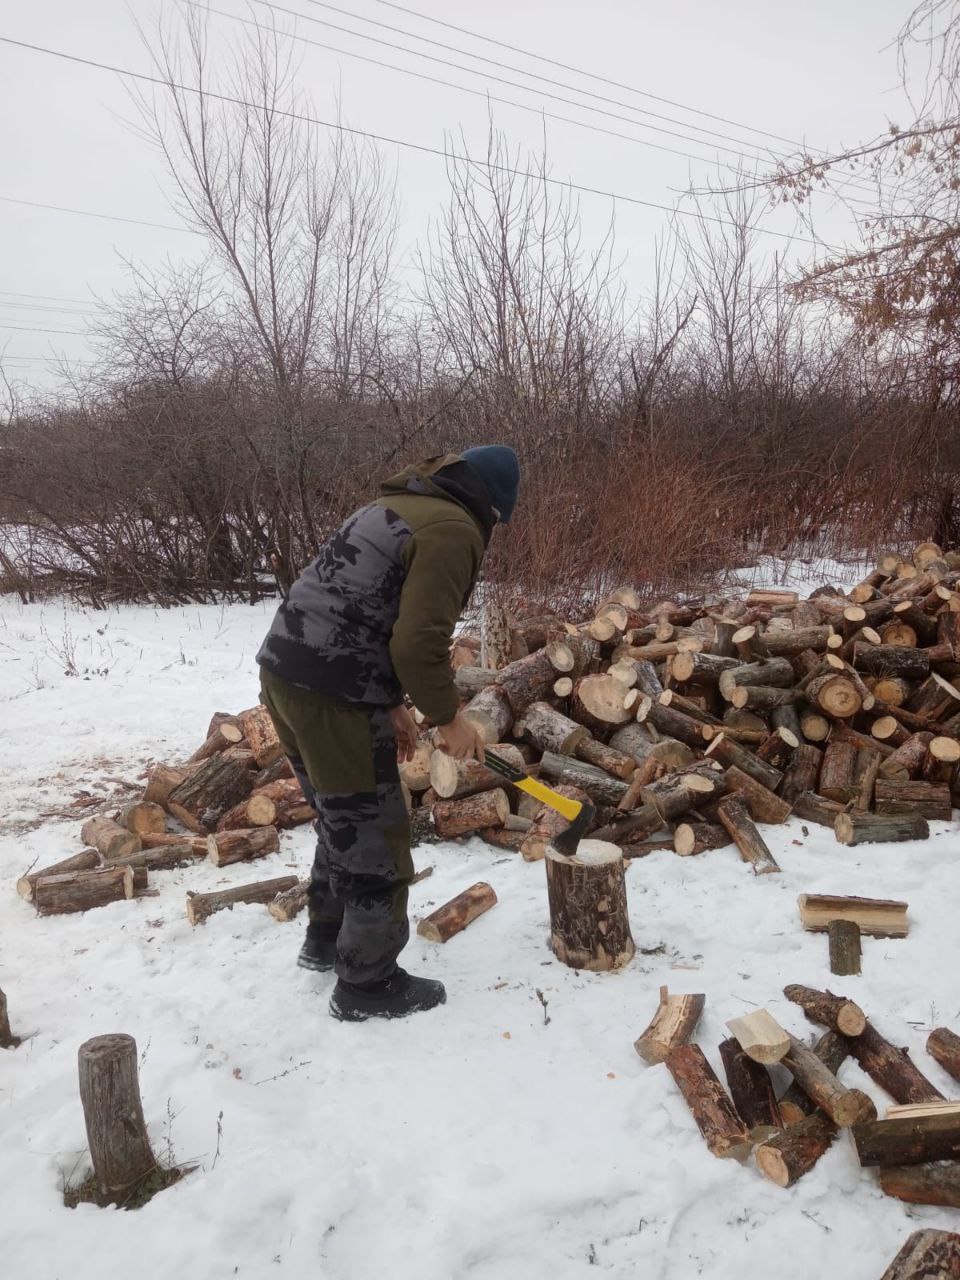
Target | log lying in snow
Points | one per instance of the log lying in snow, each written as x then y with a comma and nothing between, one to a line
83,890
879,828
878,917
454,916
944,1046
924,799
762,804
733,815
788,1155
832,1050
202,799
844,938
164,778
200,906
7,1039
288,904
166,856
724,1131
226,847
469,814
109,838
891,1068
845,1107
691,838
587,898
828,1010
923,1183
673,1024
751,1089
143,818
760,1036
85,860
910,1139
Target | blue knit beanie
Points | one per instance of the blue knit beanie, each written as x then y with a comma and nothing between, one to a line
498,468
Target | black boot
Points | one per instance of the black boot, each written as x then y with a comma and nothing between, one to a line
394,997
319,950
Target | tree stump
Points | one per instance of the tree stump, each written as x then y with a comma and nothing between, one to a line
113,1114
7,1039
589,922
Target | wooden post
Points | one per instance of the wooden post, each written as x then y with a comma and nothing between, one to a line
589,921
844,938
674,1023
113,1114
7,1039
454,916
724,1131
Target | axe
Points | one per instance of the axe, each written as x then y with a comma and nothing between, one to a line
579,815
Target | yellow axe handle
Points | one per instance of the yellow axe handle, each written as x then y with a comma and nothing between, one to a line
563,804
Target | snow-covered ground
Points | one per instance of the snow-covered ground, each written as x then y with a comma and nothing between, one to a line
493,1138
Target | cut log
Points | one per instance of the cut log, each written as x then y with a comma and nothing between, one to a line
844,938
598,702
162,779
724,1131
286,906
891,689
526,681
415,773
937,1184
675,794
910,1139
762,804
814,727
290,806
281,768
260,734
503,838
85,860
7,1039
227,847
674,724
490,711
890,732
813,808
587,896
469,814
609,759
648,772
454,916
113,1115
167,856
470,680
673,1024
836,772
835,1012
690,838
844,1106
200,906
835,695
876,917
891,660
562,687
202,799
451,779
83,890
548,824
832,1050
494,636
198,844
258,810
701,668
597,783
748,644
927,799
226,734
778,748
787,644
891,1068
787,1156
751,1089
935,699
760,1036
842,732
733,815
771,673
142,817
109,839
631,827
879,828
944,1045
865,775
940,762
548,730
802,773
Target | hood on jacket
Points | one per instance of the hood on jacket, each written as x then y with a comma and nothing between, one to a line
446,476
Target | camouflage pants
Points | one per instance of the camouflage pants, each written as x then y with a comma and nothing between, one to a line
345,756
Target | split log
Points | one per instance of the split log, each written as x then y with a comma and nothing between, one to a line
549,730
751,1089
788,1155
832,1050
597,783
762,804
733,815
200,906
469,814
454,916
202,799
598,702
937,1184
944,1045
673,1024
891,1068
415,773
490,711
587,896
143,817
109,839
934,699
925,799
85,860
83,890
609,759
494,636
548,824
844,1106
879,828
690,838
113,1115
526,681
227,847
260,734
844,938
910,1139
760,1036
836,772
225,734
802,773
286,906
813,808
835,1012
876,917
891,660
724,1131
451,779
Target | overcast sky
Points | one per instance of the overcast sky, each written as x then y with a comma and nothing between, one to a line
819,71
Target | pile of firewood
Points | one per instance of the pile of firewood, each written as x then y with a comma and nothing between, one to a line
789,1131
686,724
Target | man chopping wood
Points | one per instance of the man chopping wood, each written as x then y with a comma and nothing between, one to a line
370,619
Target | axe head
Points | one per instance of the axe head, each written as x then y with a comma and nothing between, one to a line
567,841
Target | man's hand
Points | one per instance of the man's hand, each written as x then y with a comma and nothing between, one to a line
405,728
462,739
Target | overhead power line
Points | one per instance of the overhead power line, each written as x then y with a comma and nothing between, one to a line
24,328
422,148
85,213
43,297
42,306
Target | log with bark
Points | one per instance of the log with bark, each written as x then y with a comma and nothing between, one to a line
944,1046
941,761
288,904
526,681
877,917
226,847
937,1184
495,644
609,759
907,761
788,1155
200,906
167,856
879,828
813,808
490,711
844,936
202,799
113,1116
778,748
221,736
415,773
835,1012
85,860
83,890
451,779
549,730
725,1133
928,800
587,897
844,1106
470,813
910,1139
891,1068
752,1091
891,660
142,817
454,916
837,772
673,1024
729,753
762,804
691,838
598,701
734,817
865,773
109,839
597,783
831,1048
802,773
